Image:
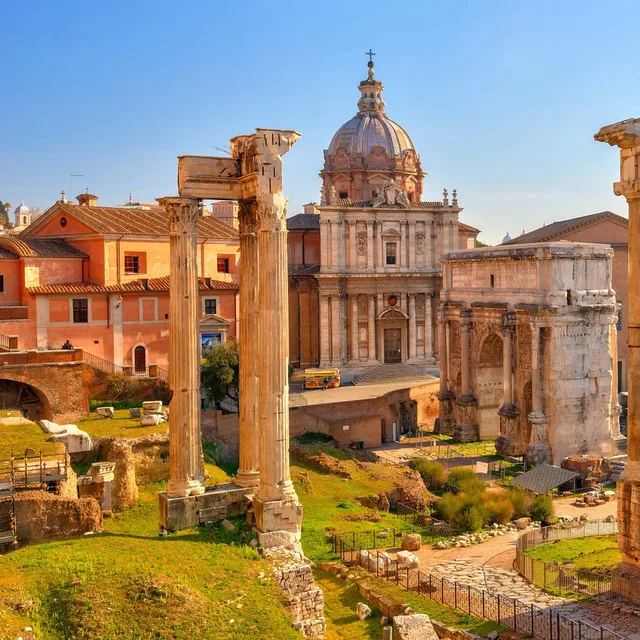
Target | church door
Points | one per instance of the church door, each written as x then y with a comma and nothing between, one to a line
392,345
140,359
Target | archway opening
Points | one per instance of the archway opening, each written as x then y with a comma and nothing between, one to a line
22,397
140,359
490,387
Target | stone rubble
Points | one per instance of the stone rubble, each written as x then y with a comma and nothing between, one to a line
468,539
363,610
106,412
75,440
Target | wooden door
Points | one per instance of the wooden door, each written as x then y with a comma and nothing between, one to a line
140,359
392,345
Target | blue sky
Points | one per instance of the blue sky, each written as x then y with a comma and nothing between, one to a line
501,98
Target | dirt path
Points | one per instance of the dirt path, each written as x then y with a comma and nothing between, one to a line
564,507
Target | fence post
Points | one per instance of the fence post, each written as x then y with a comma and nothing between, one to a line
469,598
550,624
397,572
499,609
455,595
485,617
374,540
532,619
377,562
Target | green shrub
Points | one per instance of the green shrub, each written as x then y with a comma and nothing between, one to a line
448,506
541,509
309,437
471,517
116,404
520,500
345,504
434,474
120,386
499,508
465,480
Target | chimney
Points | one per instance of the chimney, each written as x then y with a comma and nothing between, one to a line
310,208
87,200
207,282
145,283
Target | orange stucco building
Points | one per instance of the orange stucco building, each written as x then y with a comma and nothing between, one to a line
98,277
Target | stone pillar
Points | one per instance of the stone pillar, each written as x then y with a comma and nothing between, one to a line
379,251
325,333
185,441
413,342
411,253
466,430
372,328
428,245
352,246
335,330
370,265
335,239
626,136
324,245
428,326
405,244
510,442
249,435
445,422
538,450
355,351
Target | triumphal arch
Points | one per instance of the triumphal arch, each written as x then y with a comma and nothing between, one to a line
528,333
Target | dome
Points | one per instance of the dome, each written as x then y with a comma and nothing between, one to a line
22,208
507,238
365,131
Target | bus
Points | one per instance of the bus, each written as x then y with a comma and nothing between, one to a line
314,378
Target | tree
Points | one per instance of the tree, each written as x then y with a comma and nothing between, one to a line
219,373
5,211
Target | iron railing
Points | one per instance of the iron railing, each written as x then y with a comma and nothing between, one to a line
38,471
527,618
421,519
150,371
101,364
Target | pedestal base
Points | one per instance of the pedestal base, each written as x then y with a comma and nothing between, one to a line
467,428
466,433
184,488
510,446
278,522
539,453
444,426
626,579
510,442
216,503
446,422
247,478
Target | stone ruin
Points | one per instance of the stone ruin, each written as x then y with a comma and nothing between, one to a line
253,177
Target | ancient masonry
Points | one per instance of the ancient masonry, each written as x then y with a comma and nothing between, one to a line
253,177
527,334
626,136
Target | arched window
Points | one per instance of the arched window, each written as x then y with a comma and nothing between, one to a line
140,359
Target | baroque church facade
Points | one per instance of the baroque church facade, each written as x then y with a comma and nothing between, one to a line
380,274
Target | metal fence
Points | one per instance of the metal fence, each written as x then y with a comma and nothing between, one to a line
38,471
359,549
421,519
552,576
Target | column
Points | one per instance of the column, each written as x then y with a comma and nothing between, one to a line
405,244
185,445
443,354
352,246
428,326
372,327
466,429
465,354
445,422
538,450
355,351
335,330
334,245
379,248
536,381
324,245
511,441
428,245
506,367
413,350
324,330
370,265
411,253
249,435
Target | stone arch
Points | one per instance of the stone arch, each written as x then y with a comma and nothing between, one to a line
489,385
137,357
491,350
45,408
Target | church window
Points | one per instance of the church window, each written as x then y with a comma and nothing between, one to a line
63,222
391,252
344,195
80,310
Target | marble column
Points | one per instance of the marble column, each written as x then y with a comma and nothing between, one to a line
371,326
413,348
445,422
466,429
355,355
352,246
538,450
510,442
336,333
325,331
428,326
370,265
412,244
626,136
379,248
185,440
249,436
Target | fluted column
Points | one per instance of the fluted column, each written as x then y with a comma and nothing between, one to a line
538,450
335,234
413,342
428,326
465,359
249,434
379,248
445,422
405,244
370,265
443,352
412,244
355,355
372,327
185,460
324,245
325,334
335,329
428,245
536,381
507,386
352,246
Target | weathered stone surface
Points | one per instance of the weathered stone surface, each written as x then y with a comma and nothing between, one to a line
412,542
151,420
152,406
522,523
75,440
363,610
593,469
286,539
415,626
106,412
408,559
228,526
134,412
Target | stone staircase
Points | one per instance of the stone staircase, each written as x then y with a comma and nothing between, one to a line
618,469
393,373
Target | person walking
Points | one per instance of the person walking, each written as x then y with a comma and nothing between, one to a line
325,384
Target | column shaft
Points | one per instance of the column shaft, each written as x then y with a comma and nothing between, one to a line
335,258
372,327
352,246
324,245
185,461
428,245
442,353
379,250
412,244
355,355
325,333
413,349
428,326
370,265
335,330
506,364
536,380
465,356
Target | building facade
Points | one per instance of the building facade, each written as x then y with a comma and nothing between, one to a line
98,277
528,341
380,245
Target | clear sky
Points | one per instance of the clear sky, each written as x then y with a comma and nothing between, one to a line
501,98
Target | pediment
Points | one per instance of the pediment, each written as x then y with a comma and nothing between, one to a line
393,313
392,234
214,321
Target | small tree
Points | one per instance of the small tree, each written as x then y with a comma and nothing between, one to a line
219,373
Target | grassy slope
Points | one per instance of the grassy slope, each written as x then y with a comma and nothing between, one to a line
595,553
122,426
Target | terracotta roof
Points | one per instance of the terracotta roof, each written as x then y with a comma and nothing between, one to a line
135,286
562,227
131,221
303,221
38,248
467,227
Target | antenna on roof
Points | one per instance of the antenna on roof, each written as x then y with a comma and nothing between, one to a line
221,149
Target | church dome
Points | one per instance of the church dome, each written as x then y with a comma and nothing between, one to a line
371,150
22,208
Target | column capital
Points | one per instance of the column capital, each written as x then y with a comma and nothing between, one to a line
508,320
182,211
353,296
370,223
411,223
466,318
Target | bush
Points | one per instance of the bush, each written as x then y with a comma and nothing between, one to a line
116,404
346,504
499,508
541,509
120,386
521,502
472,517
465,480
309,437
448,506
434,474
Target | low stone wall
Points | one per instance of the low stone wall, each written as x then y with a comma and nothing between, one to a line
44,516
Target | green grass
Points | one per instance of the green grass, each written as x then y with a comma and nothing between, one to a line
122,426
116,404
599,554
19,437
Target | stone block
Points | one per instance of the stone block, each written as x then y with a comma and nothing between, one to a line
228,526
285,539
151,420
106,412
134,412
409,560
522,523
51,427
75,440
415,626
363,611
152,406
412,542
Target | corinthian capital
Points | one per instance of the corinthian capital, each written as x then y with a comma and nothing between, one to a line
183,213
